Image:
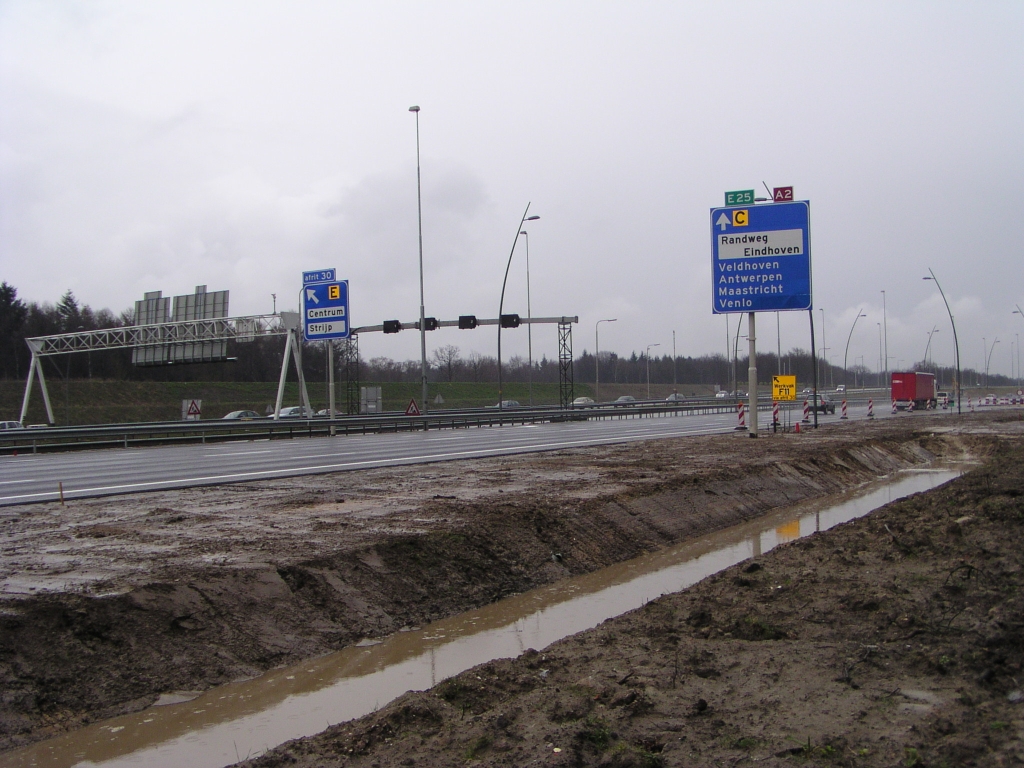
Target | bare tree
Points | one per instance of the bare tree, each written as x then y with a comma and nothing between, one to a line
447,359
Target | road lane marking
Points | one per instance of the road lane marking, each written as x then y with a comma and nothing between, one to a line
319,469
245,453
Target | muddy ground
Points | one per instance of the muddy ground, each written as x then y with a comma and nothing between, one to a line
893,640
106,604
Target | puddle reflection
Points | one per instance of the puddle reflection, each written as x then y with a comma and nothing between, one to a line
234,721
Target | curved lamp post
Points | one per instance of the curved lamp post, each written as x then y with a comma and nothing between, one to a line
501,304
846,374
956,343
529,314
648,356
597,358
988,359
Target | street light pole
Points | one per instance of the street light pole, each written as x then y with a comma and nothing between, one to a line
597,358
928,346
879,354
675,384
1018,311
501,304
885,326
648,355
988,359
423,319
1018,359
846,354
529,314
956,343
824,365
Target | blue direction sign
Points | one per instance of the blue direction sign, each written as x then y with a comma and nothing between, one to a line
325,310
761,257
318,276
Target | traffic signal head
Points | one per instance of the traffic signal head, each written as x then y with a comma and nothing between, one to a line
510,321
430,323
392,326
467,322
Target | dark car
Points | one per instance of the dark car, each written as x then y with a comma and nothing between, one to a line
625,400
823,405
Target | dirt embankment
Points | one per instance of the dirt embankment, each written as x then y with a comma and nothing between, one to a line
199,587
896,639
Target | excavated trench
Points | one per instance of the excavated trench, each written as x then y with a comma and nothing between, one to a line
69,658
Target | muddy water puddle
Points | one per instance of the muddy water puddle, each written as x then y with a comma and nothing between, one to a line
240,720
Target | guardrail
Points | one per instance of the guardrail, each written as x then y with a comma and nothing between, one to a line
35,440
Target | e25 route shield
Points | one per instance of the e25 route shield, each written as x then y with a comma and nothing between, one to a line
761,258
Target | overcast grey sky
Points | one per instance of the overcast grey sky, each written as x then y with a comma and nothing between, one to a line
162,145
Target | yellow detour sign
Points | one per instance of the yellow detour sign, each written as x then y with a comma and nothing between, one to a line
783,387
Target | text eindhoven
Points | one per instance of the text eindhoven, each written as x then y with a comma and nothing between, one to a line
783,242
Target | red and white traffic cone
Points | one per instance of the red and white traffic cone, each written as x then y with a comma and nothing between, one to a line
911,406
970,404
844,410
775,412
871,409
741,413
807,413
894,406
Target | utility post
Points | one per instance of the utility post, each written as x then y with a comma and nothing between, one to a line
752,376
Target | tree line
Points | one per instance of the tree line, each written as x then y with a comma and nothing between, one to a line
260,360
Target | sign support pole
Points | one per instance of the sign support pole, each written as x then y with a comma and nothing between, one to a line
284,373
303,392
36,366
752,375
330,380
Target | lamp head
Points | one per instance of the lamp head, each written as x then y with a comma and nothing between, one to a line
414,109
532,218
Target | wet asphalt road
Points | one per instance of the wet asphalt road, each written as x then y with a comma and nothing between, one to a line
83,474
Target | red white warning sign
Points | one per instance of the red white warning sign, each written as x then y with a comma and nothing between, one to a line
413,409
191,410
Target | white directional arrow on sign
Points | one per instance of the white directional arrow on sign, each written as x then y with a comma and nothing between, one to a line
311,296
723,220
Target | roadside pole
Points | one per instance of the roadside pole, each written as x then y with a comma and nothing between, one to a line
330,382
814,361
752,375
